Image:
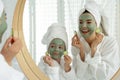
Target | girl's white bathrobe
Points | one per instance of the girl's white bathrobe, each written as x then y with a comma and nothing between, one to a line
7,72
57,72
102,66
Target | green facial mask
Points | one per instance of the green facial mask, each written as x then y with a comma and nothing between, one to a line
3,25
56,48
87,25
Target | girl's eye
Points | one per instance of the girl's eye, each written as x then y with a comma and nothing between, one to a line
60,47
52,46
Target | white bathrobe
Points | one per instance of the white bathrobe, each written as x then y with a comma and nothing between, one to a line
57,72
102,66
7,72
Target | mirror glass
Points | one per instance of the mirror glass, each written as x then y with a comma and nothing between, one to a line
36,19
9,10
40,14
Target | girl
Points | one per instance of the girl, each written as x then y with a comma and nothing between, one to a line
55,64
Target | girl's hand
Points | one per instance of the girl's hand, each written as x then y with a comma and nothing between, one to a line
68,61
48,60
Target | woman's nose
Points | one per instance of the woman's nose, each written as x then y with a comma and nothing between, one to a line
84,25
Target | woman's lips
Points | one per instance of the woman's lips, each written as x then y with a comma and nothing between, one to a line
84,31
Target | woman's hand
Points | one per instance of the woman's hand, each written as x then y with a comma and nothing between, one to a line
12,46
68,61
95,43
76,42
48,60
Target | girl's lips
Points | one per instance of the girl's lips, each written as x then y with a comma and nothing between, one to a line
55,53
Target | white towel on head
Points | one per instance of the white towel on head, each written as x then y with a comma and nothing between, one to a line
104,23
55,31
1,8
98,13
93,8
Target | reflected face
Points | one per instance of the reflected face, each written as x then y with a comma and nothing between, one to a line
56,48
3,25
87,25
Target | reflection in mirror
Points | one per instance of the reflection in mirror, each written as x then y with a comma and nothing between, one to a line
40,14
8,46
36,27
9,12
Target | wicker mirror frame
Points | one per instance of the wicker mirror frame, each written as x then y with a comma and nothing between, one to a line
28,66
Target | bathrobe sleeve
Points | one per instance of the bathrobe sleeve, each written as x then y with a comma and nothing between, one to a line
102,66
7,72
69,75
51,72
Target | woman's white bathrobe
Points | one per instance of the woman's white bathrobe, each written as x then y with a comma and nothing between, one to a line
57,72
102,66
7,72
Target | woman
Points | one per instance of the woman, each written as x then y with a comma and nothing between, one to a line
55,64
96,55
8,52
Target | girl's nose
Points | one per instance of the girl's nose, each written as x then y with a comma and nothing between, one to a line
57,48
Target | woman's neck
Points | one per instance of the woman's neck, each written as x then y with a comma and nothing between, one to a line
91,39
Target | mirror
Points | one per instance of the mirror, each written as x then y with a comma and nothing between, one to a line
24,58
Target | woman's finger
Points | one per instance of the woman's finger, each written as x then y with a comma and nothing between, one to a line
8,41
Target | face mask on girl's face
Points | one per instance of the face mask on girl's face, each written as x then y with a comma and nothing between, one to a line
3,25
87,25
56,48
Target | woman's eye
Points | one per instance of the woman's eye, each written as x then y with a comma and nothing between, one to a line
89,22
81,22
60,47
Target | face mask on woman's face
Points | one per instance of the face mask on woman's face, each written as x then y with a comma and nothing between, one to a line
3,25
56,48
87,25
